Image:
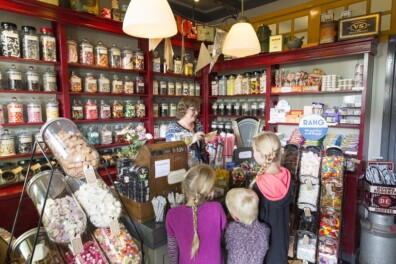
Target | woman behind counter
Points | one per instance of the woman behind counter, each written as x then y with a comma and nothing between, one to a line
187,128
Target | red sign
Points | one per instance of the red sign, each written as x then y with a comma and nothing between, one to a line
384,201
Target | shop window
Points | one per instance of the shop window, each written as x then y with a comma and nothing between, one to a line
380,6
273,29
299,35
300,23
337,12
386,22
358,9
285,27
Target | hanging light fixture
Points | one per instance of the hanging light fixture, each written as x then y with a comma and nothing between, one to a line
149,19
242,40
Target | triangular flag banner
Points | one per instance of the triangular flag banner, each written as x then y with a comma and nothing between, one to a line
153,43
168,54
217,46
204,57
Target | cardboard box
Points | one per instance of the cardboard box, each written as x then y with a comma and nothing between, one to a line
379,198
310,88
275,89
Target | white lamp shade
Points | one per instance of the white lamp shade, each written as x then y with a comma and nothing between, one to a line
149,19
241,41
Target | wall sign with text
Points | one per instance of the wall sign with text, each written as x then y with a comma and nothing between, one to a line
361,26
313,127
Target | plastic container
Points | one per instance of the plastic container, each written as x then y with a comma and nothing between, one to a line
22,248
86,52
10,40
14,78
77,111
15,111
75,83
48,45
117,86
52,109
101,55
34,112
104,84
49,81
90,83
69,147
30,43
32,80
63,217
7,146
105,111
126,62
72,53
115,57
91,110
138,60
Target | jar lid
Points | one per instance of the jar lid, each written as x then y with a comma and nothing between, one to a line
26,29
8,25
46,30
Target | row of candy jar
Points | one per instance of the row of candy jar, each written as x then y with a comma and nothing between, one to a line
32,83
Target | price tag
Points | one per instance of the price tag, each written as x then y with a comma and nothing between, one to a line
17,170
307,212
309,185
115,228
76,245
89,174
305,240
329,189
36,166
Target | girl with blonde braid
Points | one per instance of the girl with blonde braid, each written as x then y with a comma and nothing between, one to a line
195,228
272,185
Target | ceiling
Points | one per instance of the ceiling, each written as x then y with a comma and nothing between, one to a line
206,11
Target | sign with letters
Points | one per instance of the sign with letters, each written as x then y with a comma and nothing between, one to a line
313,127
361,26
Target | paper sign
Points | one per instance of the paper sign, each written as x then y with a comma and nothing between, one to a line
176,176
162,168
115,228
307,212
89,174
245,155
313,127
309,185
77,245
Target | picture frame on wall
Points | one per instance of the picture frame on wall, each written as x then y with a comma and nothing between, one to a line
360,26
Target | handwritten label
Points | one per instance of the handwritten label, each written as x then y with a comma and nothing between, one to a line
17,170
307,212
309,185
162,168
115,228
76,245
176,176
89,174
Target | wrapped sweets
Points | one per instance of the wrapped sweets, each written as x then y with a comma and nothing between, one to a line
310,164
306,246
99,204
119,249
350,142
290,159
328,250
333,199
333,169
332,140
63,219
296,138
91,255
308,223
330,223
308,198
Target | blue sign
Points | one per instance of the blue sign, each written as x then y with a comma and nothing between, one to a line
313,127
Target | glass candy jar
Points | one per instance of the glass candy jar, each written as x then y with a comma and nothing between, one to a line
14,78
9,40
15,111
86,52
75,83
52,109
32,80
129,109
72,54
115,57
138,60
156,61
90,83
117,109
48,44
69,146
139,85
7,146
93,135
37,137
34,112
30,43
104,84
116,85
106,136
119,134
105,111
128,86
126,62
49,81
101,56
77,110
91,110
24,142
140,109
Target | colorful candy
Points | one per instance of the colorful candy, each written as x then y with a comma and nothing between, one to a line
91,255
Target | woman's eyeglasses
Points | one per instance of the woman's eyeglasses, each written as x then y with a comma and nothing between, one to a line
192,109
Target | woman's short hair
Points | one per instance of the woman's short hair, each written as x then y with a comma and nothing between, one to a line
186,103
243,204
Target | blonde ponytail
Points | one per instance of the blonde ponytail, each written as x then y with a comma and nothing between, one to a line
263,168
195,242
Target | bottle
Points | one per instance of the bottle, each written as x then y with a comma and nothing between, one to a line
14,78
86,53
138,60
177,65
163,88
223,85
103,84
72,53
127,62
101,57
214,108
75,83
254,83
171,87
215,86
32,80
52,109
34,112
77,110
164,108
115,56
128,86
117,87
48,45
9,40
90,83
49,81
187,65
156,62
155,87
230,85
15,111
139,85
30,43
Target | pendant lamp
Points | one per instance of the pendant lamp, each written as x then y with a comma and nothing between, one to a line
149,19
242,40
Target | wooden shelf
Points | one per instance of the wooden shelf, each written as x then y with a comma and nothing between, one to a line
112,120
164,117
237,95
173,75
235,116
159,139
93,67
114,145
18,156
22,124
108,94
319,92
175,96
330,126
28,92
26,61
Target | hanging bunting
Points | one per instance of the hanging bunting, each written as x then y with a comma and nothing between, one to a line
153,43
217,46
168,54
204,58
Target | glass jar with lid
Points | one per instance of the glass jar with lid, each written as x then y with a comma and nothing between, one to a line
32,80
155,109
48,44
128,85
213,125
106,136
115,56
38,138
263,82
140,109
24,142
101,57
177,65
119,134
228,108
163,90
221,107
262,108
163,127
75,83
52,109
14,78
90,83
126,62
197,89
15,111
179,88
215,86
139,85
117,109
138,60
10,46
245,108
186,88
155,87
156,131
187,65
214,108
231,85
93,135
34,112
49,81
105,111
191,88
156,61
69,146
103,84
171,87
91,110
255,83
30,43
77,111
223,85
237,108
164,108
254,108
86,52
1,114
172,109
246,83
7,146
72,53
117,86
129,109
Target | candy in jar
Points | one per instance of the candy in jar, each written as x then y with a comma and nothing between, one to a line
77,110
72,54
139,85
155,87
119,134
93,139
1,114
333,169
75,83
86,53
129,109
140,109
328,250
308,196
115,57
171,87
90,83
330,222
306,246
156,62
14,78
34,112
106,136
24,142
104,84
48,45
91,254
49,81
128,86
101,57
138,60
116,85
38,138
91,110
15,111
126,62
7,146
118,109
32,80
9,40
105,111
52,109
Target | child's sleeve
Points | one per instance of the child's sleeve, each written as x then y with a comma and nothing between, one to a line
223,218
173,250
